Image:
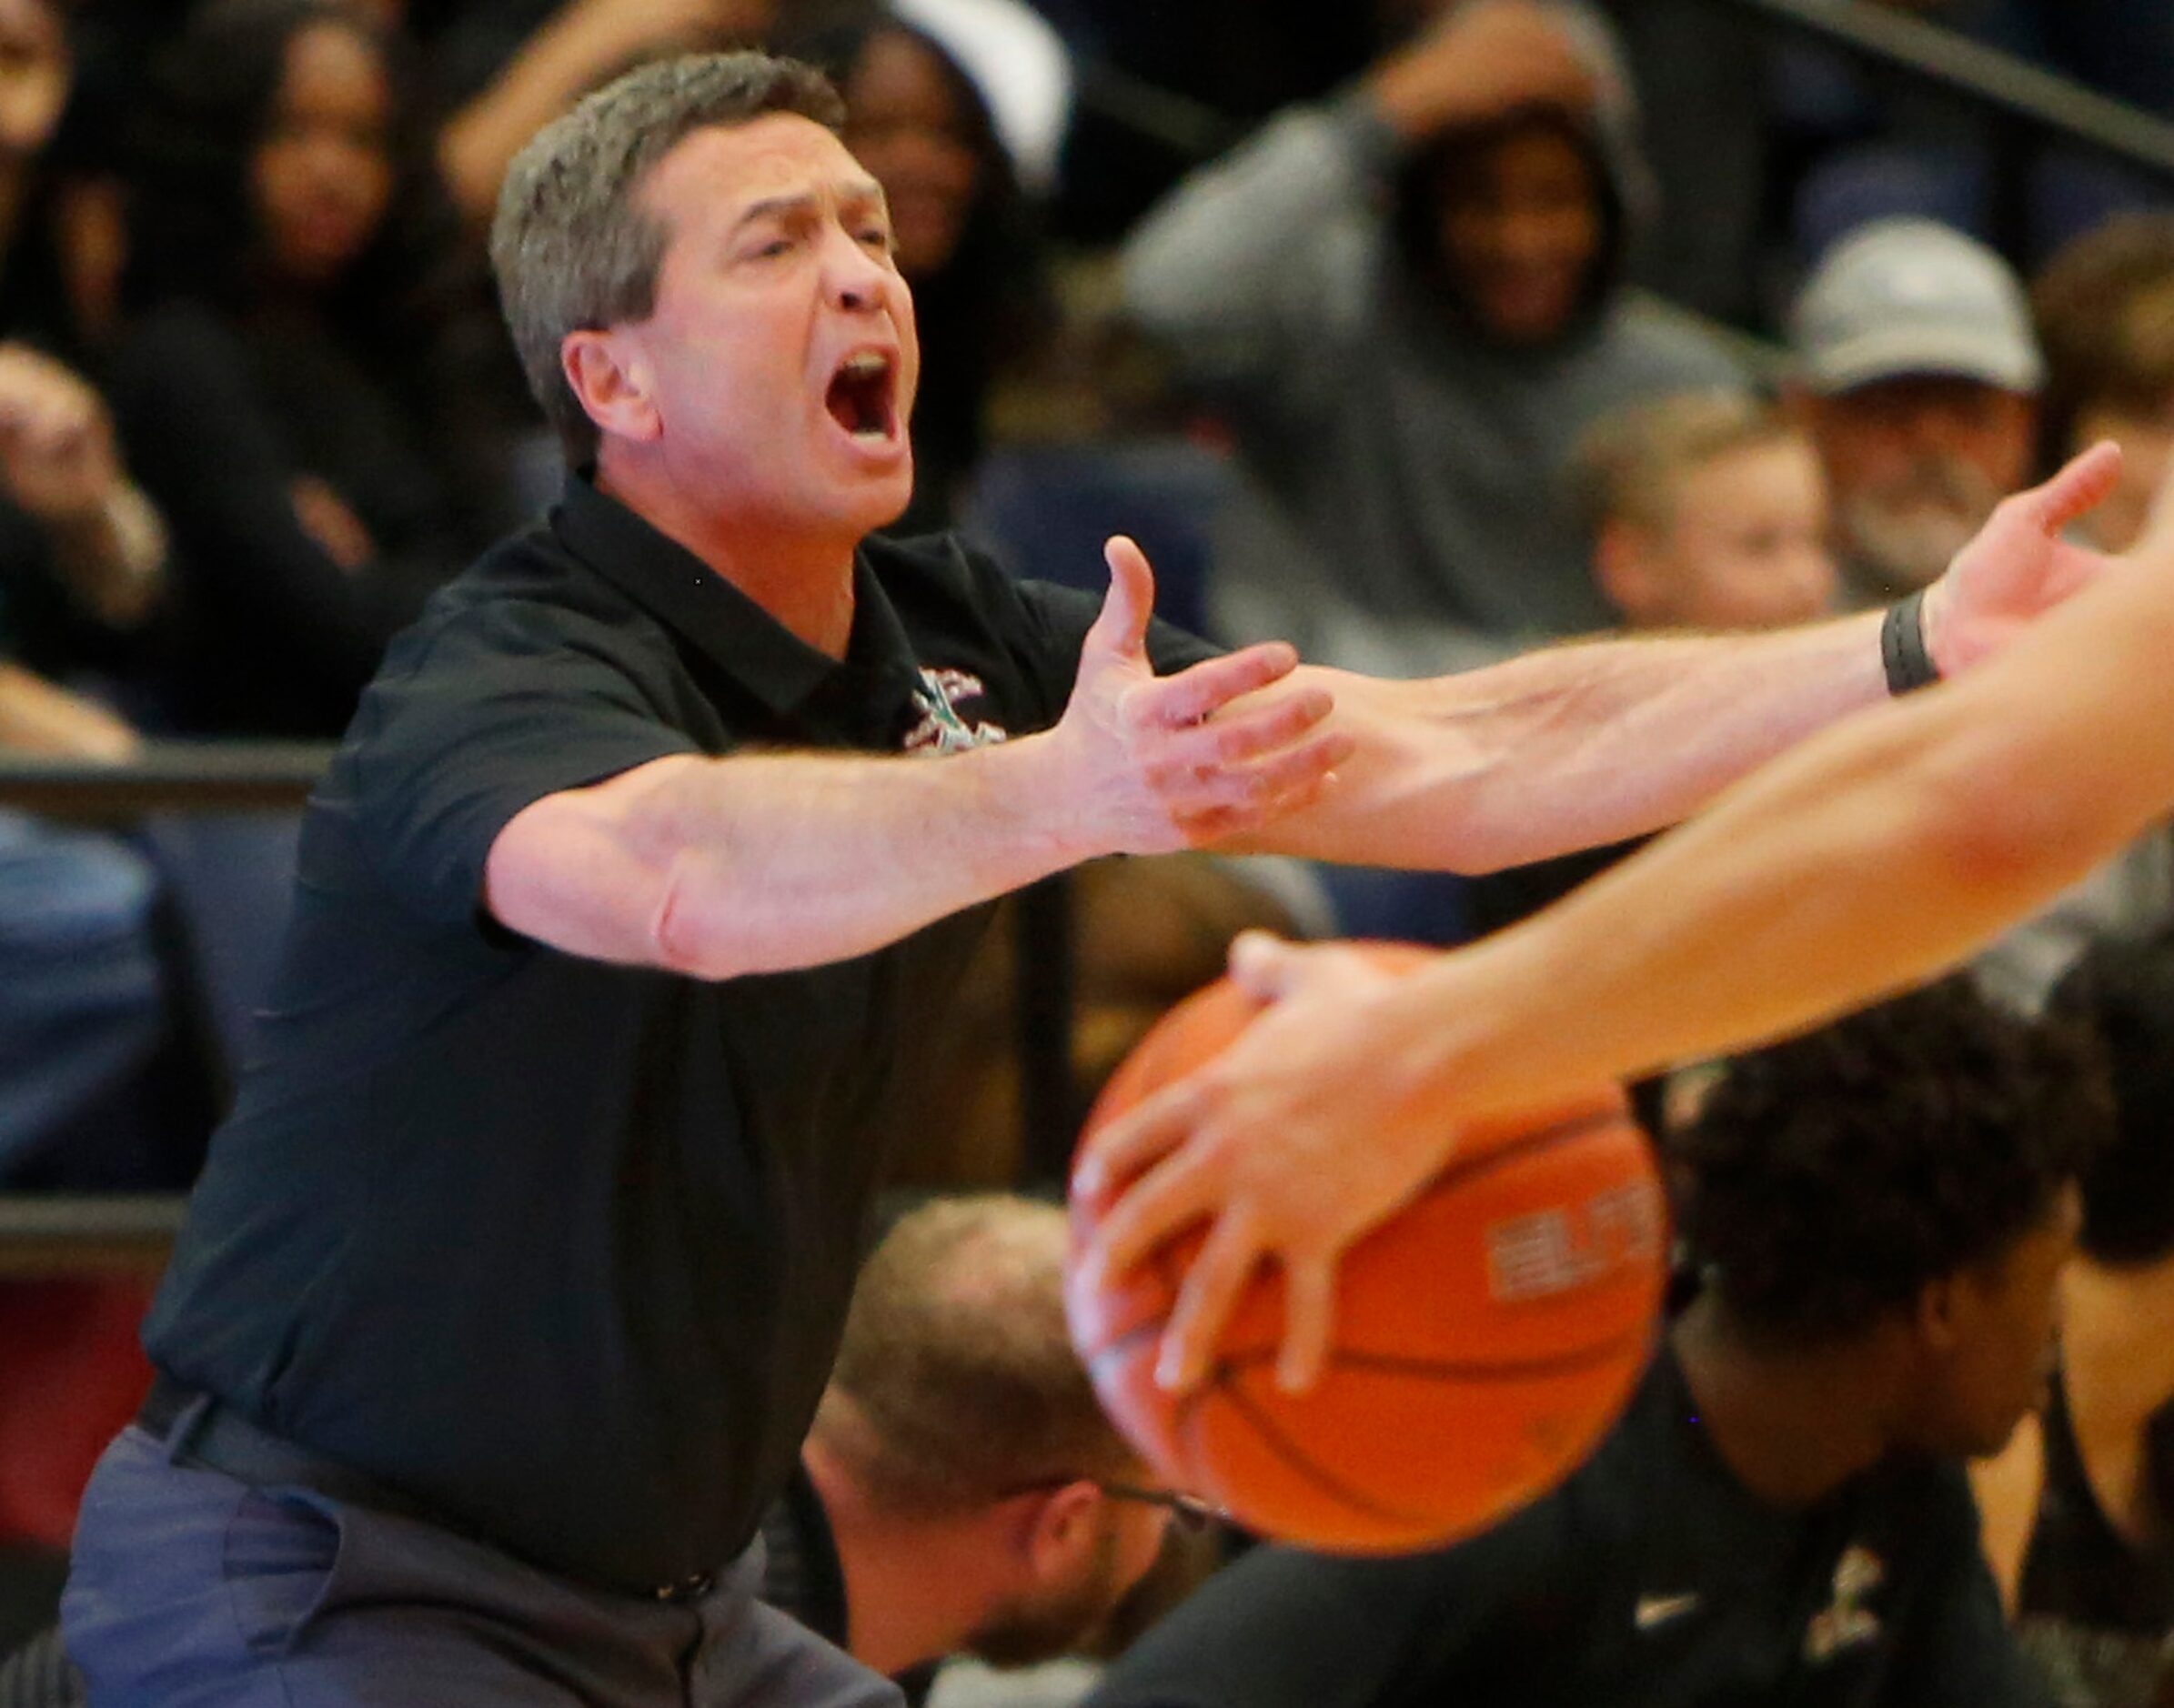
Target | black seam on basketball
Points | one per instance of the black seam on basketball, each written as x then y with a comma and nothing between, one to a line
1457,1174
1390,1365
1282,1447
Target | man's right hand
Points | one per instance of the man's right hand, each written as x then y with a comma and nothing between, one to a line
1481,59
1148,765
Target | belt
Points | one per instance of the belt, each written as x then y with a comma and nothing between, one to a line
198,1428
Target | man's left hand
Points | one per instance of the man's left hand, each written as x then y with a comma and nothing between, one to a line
2019,566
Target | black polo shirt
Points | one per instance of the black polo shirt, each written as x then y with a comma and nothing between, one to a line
559,1248
1651,1579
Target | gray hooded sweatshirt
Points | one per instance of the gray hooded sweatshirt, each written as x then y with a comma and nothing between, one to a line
1401,508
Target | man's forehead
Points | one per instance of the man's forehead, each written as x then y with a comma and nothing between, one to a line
728,168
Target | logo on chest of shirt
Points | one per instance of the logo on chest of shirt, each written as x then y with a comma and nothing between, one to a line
1847,1623
941,728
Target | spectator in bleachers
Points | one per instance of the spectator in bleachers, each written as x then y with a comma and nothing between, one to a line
1706,511
56,242
2079,1510
1407,306
1918,373
966,234
82,991
2105,308
959,1476
313,392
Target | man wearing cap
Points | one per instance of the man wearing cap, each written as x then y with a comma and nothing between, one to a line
1918,374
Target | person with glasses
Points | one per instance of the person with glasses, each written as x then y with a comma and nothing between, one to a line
961,1492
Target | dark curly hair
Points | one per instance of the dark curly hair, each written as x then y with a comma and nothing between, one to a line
2125,994
1830,1179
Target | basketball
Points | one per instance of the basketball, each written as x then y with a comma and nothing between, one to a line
1486,1336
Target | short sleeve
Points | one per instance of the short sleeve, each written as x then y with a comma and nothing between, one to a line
475,718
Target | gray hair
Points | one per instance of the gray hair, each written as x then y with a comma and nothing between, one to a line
571,246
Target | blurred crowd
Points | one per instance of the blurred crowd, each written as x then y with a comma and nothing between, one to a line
1417,332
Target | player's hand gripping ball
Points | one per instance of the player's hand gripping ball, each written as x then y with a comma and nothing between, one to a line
1487,1335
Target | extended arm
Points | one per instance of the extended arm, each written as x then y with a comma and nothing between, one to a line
761,862
1869,857
1570,748
1589,744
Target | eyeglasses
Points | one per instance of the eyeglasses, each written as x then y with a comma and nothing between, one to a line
1190,1511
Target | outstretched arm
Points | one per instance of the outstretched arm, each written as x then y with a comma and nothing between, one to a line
1869,858
1593,743
762,862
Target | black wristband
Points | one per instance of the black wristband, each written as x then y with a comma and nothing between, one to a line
1902,646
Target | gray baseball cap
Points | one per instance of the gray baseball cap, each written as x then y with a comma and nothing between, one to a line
1902,296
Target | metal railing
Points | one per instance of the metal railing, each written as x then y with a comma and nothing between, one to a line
168,776
2011,93
51,1234
2022,106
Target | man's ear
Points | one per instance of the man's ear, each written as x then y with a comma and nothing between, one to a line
609,375
1061,1529
1939,1314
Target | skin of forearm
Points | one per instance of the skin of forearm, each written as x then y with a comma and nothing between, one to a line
1872,857
560,62
38,717
845,854
1575,746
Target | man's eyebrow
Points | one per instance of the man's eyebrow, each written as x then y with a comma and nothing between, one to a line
853,193
770,207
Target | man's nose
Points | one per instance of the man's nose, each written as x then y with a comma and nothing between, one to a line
857,280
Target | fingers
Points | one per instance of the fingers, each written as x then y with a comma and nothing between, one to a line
1264,965
1309,1321
1122,626
1194,695
2082,483
1211,1293
1208,803
1122,1150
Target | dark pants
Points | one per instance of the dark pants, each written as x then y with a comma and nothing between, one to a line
191,1588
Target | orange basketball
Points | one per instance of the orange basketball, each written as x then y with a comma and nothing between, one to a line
1486,1336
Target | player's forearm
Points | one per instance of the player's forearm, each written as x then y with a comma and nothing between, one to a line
1577,745
765,863
1874,857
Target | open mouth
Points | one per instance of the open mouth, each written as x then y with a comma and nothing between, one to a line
859,398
